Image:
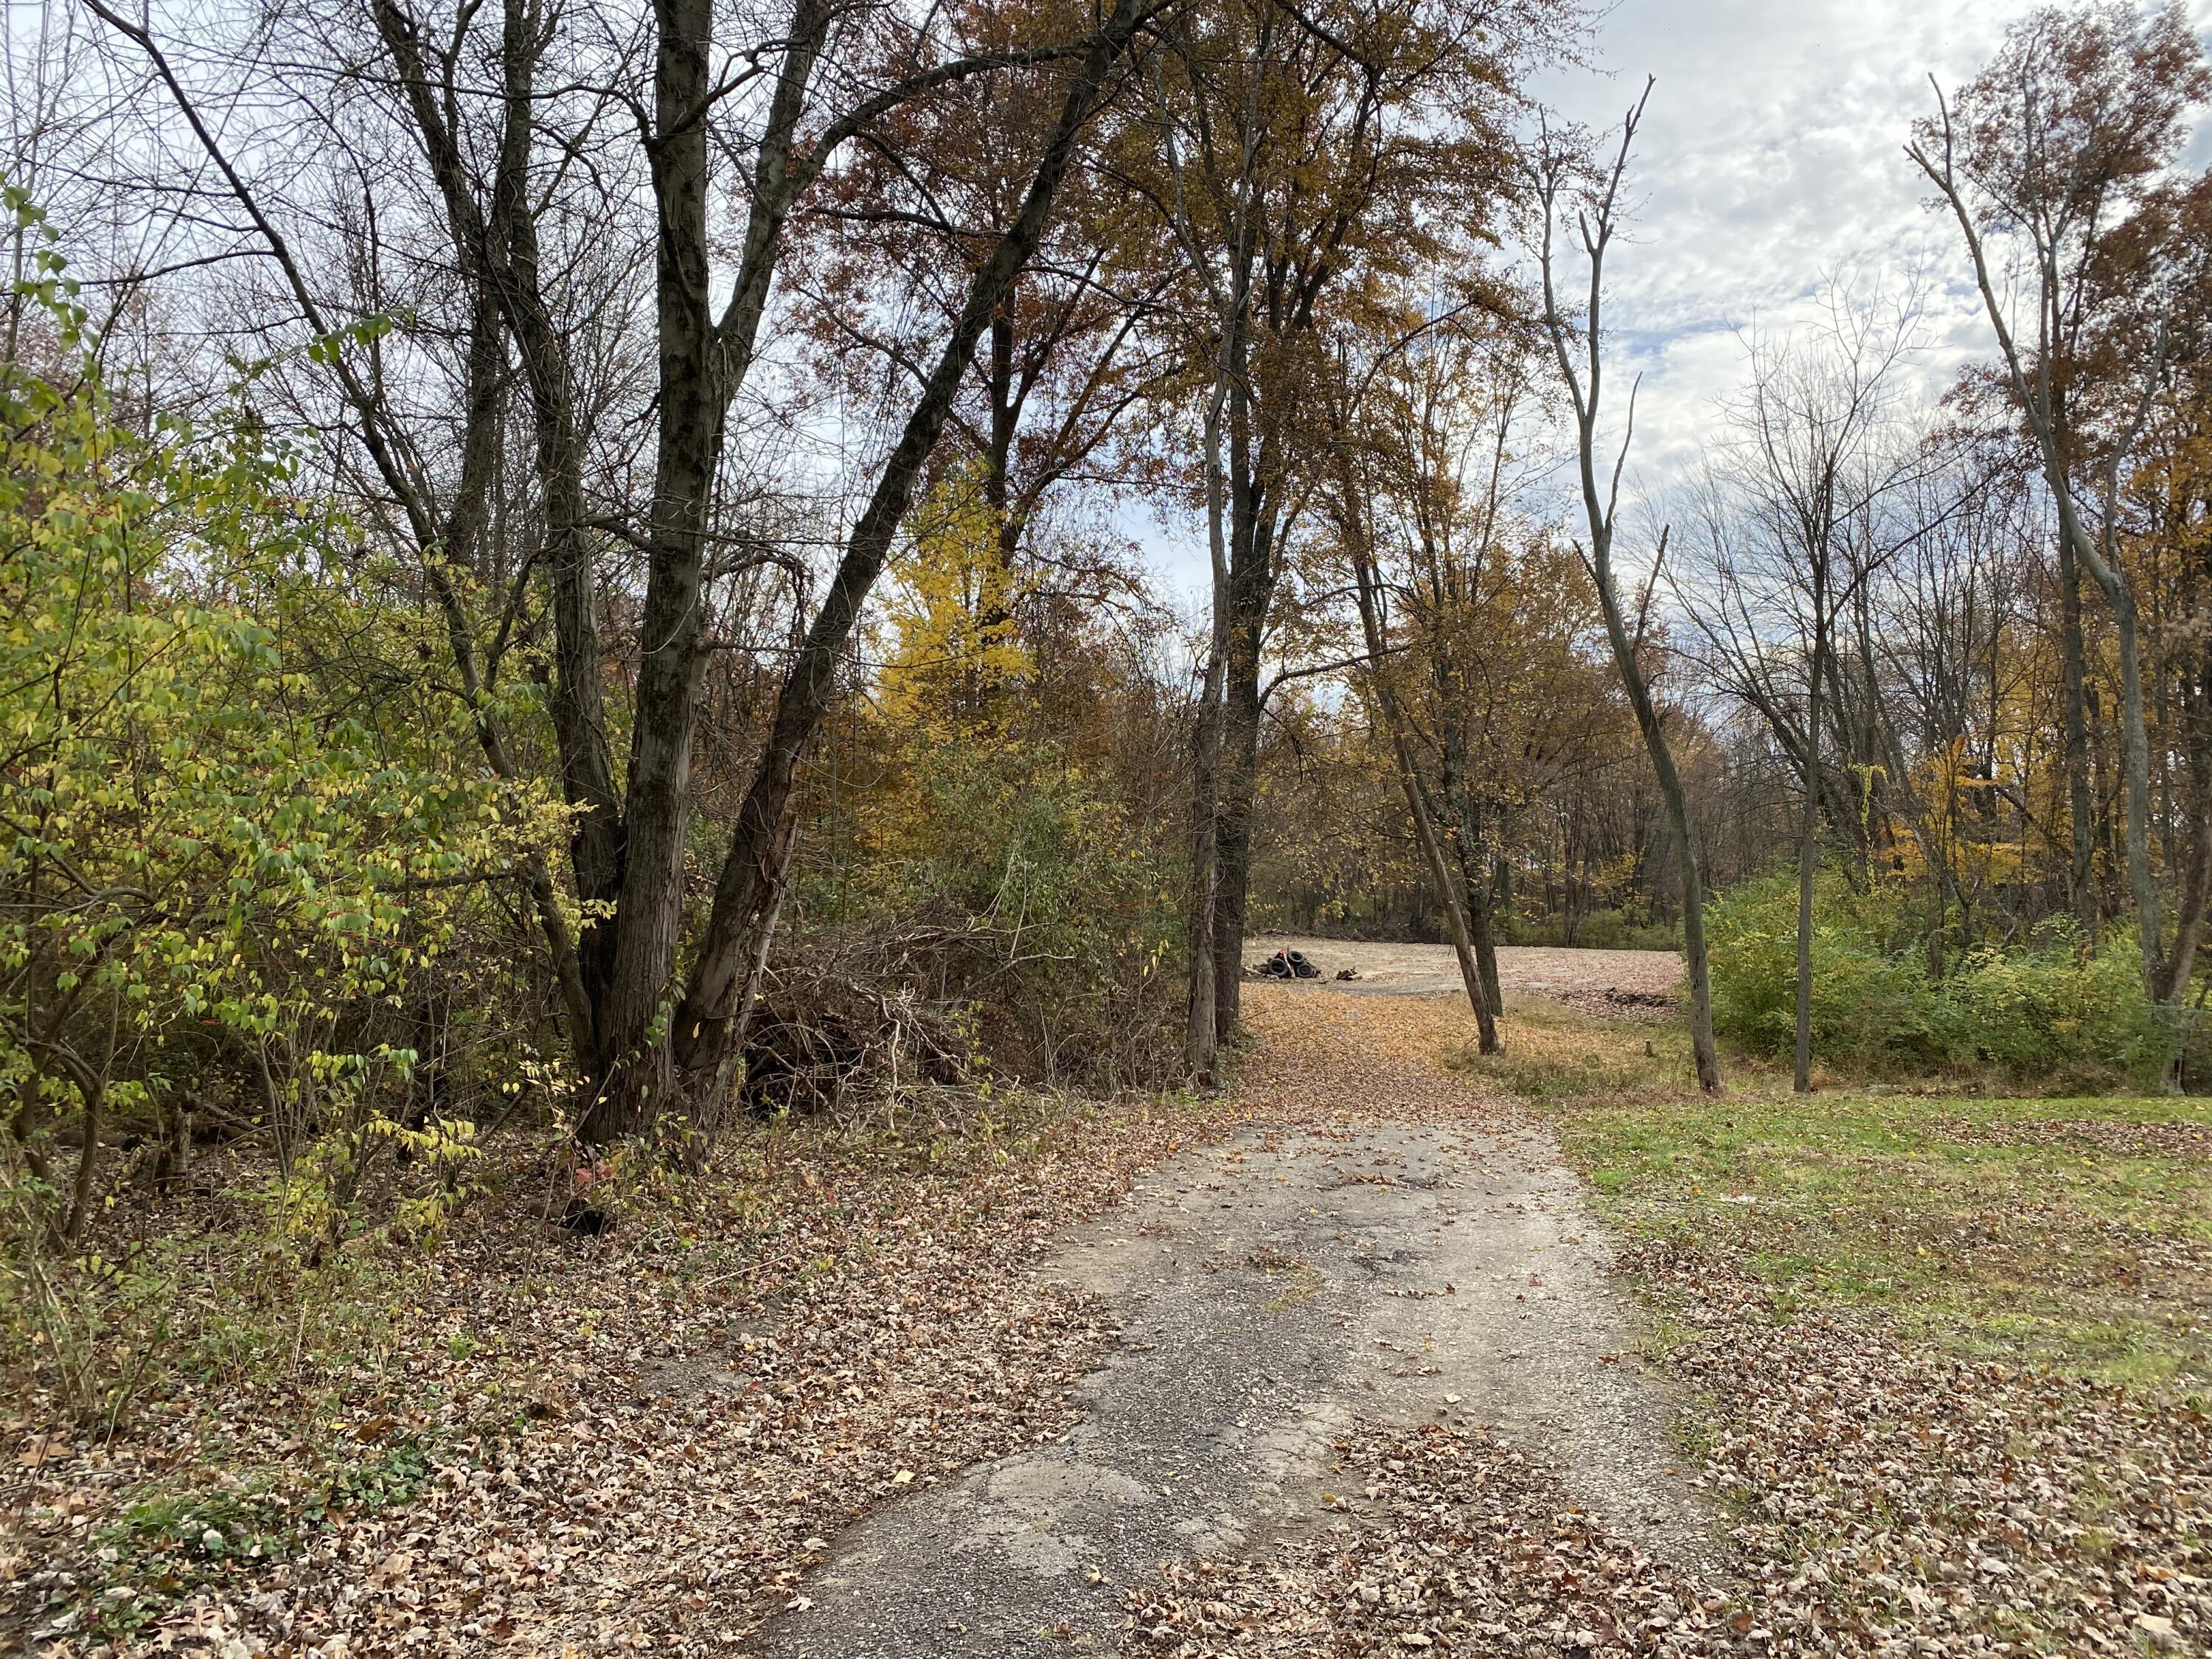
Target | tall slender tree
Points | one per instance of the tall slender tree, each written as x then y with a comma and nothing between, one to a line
2047,151
1564,181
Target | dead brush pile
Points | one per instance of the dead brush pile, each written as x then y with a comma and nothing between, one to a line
854,1023
850,1020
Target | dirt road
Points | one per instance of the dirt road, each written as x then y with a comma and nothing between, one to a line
1410,1252
1524,969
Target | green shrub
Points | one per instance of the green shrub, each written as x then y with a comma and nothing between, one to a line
255,883
2048,1010
2054,1006
1609,928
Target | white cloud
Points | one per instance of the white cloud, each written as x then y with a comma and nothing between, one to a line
1772,154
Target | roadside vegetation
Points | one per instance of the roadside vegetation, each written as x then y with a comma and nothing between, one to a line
2062,1229
598,751
836,1312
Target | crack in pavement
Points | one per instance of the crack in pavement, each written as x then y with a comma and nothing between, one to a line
1273,1290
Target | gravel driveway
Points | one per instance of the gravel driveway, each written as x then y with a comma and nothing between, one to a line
1424,1259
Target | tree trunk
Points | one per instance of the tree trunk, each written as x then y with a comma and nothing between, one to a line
702,1046
635,1078
1201,1045
2083,889
1201,1036
1702,1048
87,1165
1475,867
1251,591
1240,777
1809,855
2195,723
1448,884
2113,583
2188,916
2141,885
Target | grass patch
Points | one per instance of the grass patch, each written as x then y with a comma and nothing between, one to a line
2076,1232
1554,1053
1305,1285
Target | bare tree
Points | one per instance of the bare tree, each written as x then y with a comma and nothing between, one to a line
1563,182
1791,541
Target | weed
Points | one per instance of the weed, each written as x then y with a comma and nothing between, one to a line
172,1543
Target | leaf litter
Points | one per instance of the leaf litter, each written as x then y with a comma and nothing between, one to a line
642,1439
629,1444
1876,1494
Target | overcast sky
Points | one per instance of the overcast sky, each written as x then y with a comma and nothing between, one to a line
1771,153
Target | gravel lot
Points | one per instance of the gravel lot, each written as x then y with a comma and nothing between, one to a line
1523,969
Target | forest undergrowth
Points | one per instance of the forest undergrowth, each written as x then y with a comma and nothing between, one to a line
1936,1354
535,1435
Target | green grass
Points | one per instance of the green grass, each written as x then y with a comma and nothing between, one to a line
2058,1230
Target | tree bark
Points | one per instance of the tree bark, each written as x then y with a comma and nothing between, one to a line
2081,884
1476,862
710,1019
2141,883
1202,1036
2141,887
1705,1051
1251,592
1808,844
2180,962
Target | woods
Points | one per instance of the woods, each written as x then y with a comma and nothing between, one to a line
955,298
590,591
632,553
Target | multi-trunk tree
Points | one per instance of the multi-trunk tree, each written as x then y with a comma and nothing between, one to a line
728,133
